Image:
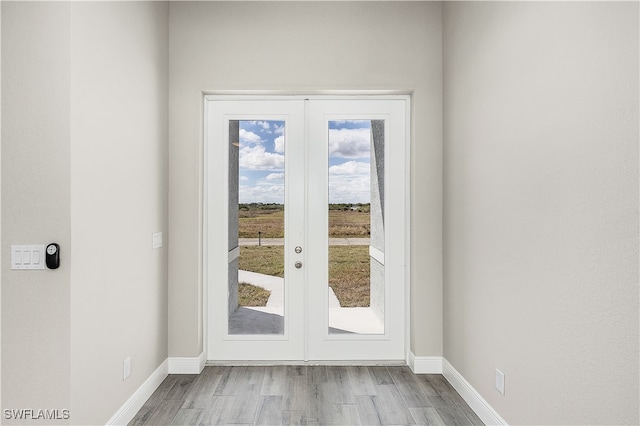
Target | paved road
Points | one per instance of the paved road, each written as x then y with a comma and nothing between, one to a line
280,241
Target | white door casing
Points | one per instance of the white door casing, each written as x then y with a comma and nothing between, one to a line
306,333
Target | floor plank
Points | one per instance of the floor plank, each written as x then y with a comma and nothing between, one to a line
409,387
164,413
202,390
270,410
296,391
305,395
427,416
294,417
180,387
453,416
381,375
275,381
339,386
391,407
188,416
367,410
361,381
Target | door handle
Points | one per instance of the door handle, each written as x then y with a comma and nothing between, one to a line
298,264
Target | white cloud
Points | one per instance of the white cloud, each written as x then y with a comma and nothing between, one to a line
249,137
264,124
349,189
350,168
279,144
275,177
244,178
256,158
350,182
278,129
350,121
349,143
261,194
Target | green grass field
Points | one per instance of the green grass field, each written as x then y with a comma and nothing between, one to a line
270,223
348,269
348,265
251,295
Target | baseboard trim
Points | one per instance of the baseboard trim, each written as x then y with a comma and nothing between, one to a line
253,363
425,364
187,365
477,403
129,409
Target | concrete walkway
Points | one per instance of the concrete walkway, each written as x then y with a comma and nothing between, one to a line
269,319
280,241
276,286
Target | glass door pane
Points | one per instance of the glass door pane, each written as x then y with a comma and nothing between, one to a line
356,226
256,227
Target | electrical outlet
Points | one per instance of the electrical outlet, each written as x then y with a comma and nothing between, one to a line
500,381
157,240
126,368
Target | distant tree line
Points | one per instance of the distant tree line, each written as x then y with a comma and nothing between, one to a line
260,206
358,207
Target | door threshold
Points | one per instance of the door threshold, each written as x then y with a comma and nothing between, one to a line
360,363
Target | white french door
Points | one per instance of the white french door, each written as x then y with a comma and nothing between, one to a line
306,224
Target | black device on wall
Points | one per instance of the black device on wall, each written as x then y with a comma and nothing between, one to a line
53,256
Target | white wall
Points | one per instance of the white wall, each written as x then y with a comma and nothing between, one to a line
540,181
84,163
36,203
303,47
541,207
119,183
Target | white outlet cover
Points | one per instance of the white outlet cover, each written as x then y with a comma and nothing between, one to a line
126,368
500,381
157,240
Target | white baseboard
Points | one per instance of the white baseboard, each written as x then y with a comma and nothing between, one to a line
187,365
477,403
425,364
129,409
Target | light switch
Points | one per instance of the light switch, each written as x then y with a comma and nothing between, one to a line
27,257
16,257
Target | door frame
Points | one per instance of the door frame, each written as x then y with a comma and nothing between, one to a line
281,96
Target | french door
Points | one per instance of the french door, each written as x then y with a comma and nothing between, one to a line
305,217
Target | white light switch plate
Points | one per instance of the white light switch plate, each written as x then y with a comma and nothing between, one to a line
27,257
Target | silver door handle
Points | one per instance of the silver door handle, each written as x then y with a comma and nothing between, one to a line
298,264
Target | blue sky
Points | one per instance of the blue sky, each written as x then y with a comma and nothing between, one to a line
262,151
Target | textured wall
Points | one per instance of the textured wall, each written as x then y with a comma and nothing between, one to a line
376,269
541,207
234,187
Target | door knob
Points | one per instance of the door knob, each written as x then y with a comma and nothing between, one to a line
298,264
298,249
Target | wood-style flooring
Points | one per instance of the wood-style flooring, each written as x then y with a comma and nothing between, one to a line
305,395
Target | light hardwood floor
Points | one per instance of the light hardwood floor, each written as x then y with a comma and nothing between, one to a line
306,395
